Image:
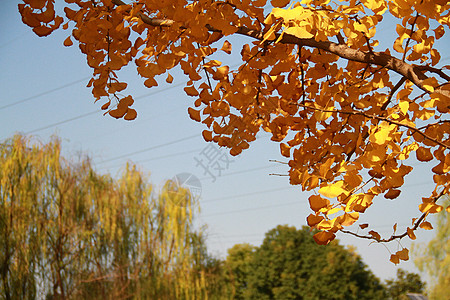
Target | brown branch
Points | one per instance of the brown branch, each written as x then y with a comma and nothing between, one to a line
409,38
380,118
434,70
411,72
399,236
392,92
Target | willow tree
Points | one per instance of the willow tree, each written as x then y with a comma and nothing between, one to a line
346,113
69,233
434,258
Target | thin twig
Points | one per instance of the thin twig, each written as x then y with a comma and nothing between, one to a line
409,38
381,119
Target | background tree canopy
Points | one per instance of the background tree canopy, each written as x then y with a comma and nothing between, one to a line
434,258
347,115
290,265
69,233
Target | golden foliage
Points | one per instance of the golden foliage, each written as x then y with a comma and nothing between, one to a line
342,118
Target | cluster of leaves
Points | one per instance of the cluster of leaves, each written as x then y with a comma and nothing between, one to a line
69,233
341,117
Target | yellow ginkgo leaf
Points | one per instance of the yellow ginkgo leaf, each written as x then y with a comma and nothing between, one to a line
333,190
324,237
285,150
131,114
403,254
299,32
430,83
317,203
194,114
279,3
314,220
424,154
169,78
68,42
375,234
395,259
191,91
150,82
226,47
410,233
207,135
430,207
426,225
392,194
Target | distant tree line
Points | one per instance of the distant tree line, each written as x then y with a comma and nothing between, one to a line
67,232
290,265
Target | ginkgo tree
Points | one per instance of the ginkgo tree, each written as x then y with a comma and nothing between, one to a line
346,113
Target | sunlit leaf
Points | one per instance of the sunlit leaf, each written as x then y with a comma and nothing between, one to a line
333,190
316,202
194,114
314,220
324,237
411,233
279,3
226,47
392,194
395,259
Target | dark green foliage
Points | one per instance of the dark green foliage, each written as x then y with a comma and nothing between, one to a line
290,265
404,283
239,264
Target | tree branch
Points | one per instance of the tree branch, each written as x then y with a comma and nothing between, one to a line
400,236
380,118
412,73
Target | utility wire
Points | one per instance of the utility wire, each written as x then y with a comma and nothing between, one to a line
156,158
79,116
250,209
249,194
150,148
44,93
62,122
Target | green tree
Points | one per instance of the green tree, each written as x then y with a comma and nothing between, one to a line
239,265
69,233
434,258
405,282
289,265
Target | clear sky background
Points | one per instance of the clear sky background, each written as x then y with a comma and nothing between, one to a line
44,93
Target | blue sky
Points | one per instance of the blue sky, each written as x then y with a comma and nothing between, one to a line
44,92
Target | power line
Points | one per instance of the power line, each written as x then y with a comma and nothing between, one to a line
249,194
158,157
239,172
43,93
250,209
150,148
79,116
18,37
62,122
